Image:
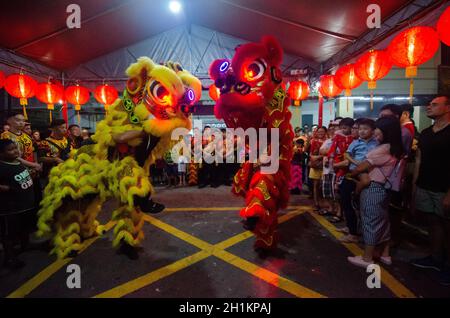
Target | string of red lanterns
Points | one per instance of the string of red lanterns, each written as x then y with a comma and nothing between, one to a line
409,49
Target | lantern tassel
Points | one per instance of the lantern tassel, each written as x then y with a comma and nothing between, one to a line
25,112
78,117
50,116
371,100
347,103
411,91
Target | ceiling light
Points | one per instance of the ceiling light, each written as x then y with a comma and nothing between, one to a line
175,6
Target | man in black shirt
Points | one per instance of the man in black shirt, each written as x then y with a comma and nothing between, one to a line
432,193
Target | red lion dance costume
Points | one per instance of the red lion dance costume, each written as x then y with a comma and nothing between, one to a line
252,95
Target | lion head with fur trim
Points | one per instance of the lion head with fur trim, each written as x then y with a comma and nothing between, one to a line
163,94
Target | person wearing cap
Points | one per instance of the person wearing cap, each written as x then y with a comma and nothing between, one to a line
56,148
16,123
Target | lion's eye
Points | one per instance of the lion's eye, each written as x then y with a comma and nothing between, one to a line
255,70
159,93
134,84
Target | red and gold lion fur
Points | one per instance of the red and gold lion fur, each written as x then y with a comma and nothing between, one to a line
252,95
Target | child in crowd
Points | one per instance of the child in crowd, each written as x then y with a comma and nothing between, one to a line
17,202
171,170
356,153
295,185
358,149
182,168
334,161
316,164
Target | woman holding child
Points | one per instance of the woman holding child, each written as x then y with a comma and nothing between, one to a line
374,201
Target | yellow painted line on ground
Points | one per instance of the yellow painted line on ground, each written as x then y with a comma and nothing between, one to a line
178,233
247,234
154,276
266,275
51,269
218,251
388,280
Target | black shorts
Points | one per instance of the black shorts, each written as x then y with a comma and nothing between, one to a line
12,226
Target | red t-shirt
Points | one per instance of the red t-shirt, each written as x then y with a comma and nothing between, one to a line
338,149
315,146
410,127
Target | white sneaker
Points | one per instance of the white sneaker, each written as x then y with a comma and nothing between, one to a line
358,261
386,260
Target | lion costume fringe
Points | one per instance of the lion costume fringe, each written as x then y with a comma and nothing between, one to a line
156,100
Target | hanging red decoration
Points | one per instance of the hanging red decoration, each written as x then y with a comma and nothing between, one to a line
298,91
443,27
214,92
347,79
328,86
77,95
2,79
49,94
413,47
373,66
21,86
106,95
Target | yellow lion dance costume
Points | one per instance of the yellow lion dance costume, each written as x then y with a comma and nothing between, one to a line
136,131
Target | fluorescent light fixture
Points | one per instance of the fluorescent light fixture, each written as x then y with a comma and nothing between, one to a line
175,6
361,98
401,98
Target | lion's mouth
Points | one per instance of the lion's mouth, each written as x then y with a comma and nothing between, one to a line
241,111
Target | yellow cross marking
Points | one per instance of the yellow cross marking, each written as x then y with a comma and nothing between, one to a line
217,250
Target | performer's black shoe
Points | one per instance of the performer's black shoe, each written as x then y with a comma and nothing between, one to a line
202,185
250,223
148,206
153,207
129,251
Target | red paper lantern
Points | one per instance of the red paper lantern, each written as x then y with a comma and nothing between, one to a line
347,79
328,86
298,90
443,27
372,66
21,86
49,94
77,95
2,79
106,95
413,47
214,92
